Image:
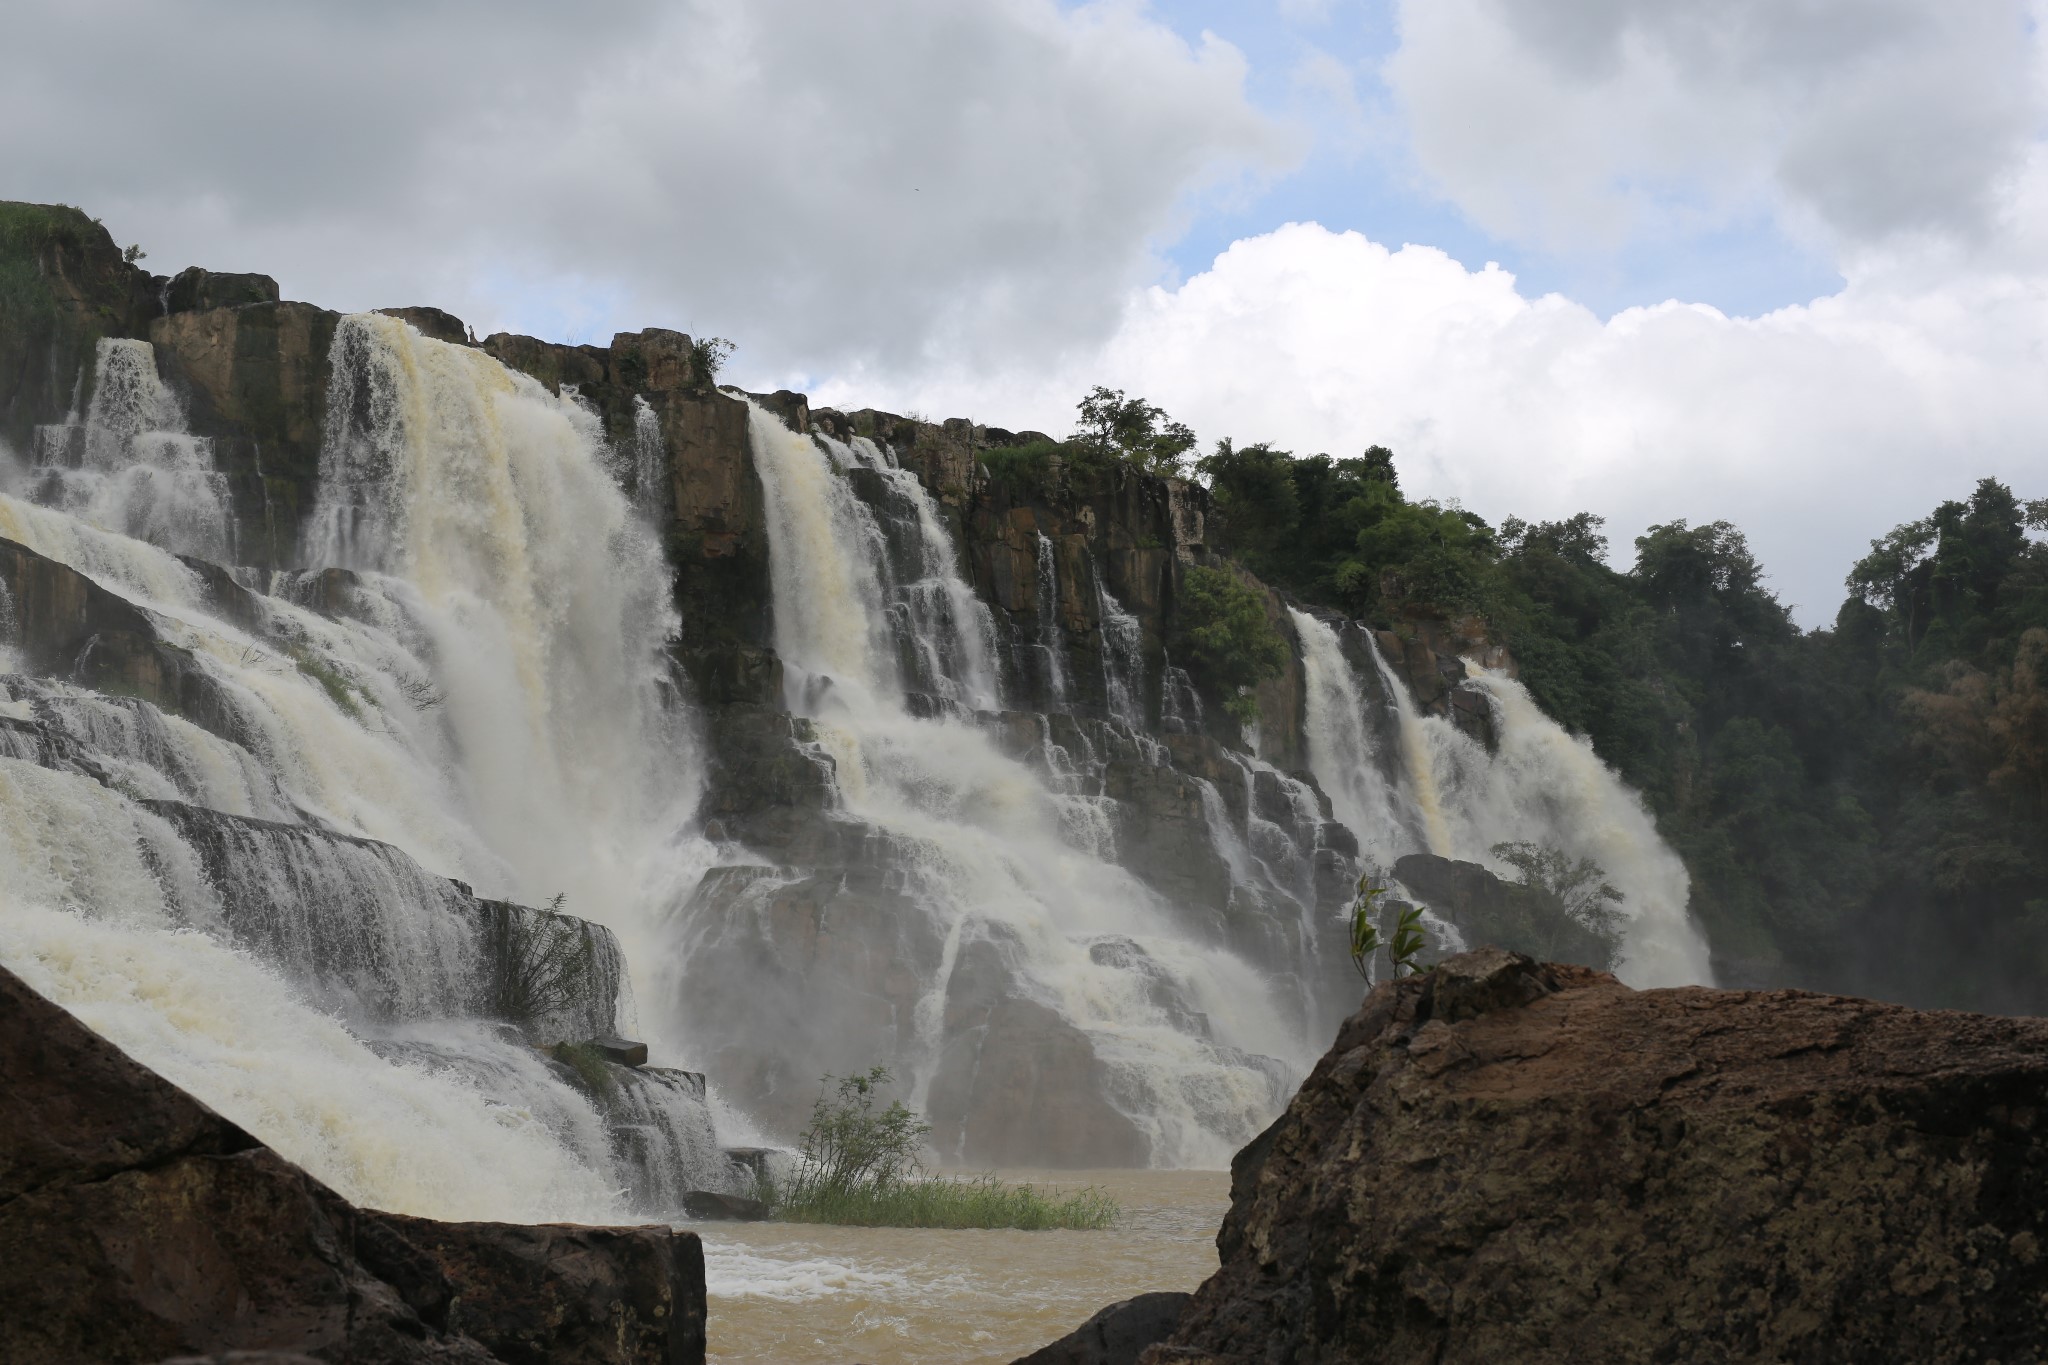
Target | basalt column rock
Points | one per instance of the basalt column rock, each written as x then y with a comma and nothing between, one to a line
136,1224
1501,1160
254,374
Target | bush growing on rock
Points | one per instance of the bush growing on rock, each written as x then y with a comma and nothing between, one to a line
1223,631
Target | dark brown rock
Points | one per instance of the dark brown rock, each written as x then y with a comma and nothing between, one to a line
623,1051
1117,1335
68,626
193,290
712,1206
552,1294
138,1225
437,323
255,379
1501,1161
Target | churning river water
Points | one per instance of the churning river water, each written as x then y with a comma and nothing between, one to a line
799,1295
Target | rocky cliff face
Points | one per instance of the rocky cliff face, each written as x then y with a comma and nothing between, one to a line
1501,1160
136,1224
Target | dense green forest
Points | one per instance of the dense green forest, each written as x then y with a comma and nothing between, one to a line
1862,807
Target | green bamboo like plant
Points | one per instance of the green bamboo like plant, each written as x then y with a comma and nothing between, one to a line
1365,935
1408,939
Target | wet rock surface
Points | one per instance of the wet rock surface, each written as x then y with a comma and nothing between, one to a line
712,1206
138,1225
1117,1335
1503,1160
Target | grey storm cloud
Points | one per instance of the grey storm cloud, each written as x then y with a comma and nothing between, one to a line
1857,121
828,183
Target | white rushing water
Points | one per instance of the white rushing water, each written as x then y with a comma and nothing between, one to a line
1343,752
1052,641
1123,656
491,701
1444,792
129,464
988,849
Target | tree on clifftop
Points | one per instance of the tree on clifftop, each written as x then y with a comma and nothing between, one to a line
1132,429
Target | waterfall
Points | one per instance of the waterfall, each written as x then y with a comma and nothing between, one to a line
1448,794
649,467
1052,641
1547,786
1416,756
255,901
130,465
1342,752
984,855
1123,655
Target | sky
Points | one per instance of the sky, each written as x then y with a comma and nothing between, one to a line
1783,262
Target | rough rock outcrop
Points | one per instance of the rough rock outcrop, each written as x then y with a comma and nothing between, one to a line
68,626
1501,1160
1117,1335
136,1224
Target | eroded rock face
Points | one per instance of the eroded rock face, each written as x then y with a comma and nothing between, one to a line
136,1224
1505,1161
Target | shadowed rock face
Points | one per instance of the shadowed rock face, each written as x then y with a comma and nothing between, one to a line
1117,1335
136,1224
1503,1161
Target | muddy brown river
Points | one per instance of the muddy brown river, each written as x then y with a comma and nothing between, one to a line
800,1295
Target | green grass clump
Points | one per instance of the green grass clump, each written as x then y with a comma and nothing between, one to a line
938,1202
593,1072
860,1169
337,687
1022,468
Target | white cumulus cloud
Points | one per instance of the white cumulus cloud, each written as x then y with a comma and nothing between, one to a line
1576,124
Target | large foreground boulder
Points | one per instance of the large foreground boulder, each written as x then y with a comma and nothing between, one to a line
1503,1161
137,1225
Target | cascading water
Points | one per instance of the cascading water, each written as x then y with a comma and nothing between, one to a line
485,692
1448,794
648,466
984,849
1052,641
1123,656
1546,786
1342,750
130,465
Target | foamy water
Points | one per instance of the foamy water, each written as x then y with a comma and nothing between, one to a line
801,1295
